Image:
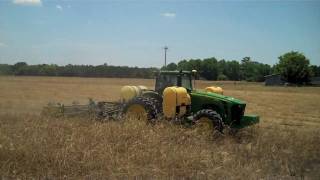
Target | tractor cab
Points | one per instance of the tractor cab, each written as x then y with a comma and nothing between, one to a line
175,98
173,78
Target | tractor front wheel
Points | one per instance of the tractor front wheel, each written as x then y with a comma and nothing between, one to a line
141,108
207,120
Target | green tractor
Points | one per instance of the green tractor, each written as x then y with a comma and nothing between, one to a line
175,99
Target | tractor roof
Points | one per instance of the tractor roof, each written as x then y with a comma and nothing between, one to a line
175,72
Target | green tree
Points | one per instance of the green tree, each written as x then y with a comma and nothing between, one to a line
294,67
170,67
233,70
247,69
184,65
222,77
223,67
315,70
209,69
18,67
253,71
195,64
6,69
262,71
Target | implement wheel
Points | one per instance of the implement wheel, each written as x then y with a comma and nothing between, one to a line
141,108
207,121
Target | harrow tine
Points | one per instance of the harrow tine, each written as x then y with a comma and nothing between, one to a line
97,109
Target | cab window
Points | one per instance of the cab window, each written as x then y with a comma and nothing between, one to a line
166,80
186,82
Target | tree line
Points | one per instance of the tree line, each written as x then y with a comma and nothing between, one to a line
293,66
213,69
23,69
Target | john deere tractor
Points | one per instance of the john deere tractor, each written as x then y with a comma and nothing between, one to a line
175,99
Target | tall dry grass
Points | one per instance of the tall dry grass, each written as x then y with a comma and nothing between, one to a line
285,145
33,146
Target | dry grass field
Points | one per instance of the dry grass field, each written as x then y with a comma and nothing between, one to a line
284,145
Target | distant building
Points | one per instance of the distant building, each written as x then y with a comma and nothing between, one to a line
274,80
315,81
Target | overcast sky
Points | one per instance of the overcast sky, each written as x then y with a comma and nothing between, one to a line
133,33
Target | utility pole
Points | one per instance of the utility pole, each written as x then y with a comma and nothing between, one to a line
165,56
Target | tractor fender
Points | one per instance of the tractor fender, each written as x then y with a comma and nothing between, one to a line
214,107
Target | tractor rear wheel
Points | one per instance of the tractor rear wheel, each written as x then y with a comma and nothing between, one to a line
141,108
207,121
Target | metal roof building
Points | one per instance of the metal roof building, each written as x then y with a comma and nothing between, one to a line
274,80
315,81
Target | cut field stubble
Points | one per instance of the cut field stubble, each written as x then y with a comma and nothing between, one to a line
284,144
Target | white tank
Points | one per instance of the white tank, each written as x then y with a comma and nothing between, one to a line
129,92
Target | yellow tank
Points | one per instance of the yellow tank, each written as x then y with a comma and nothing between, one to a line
183,98
129,92
214,89
169,102
175,98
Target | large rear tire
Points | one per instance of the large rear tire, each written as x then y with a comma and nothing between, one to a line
207,120
141,108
